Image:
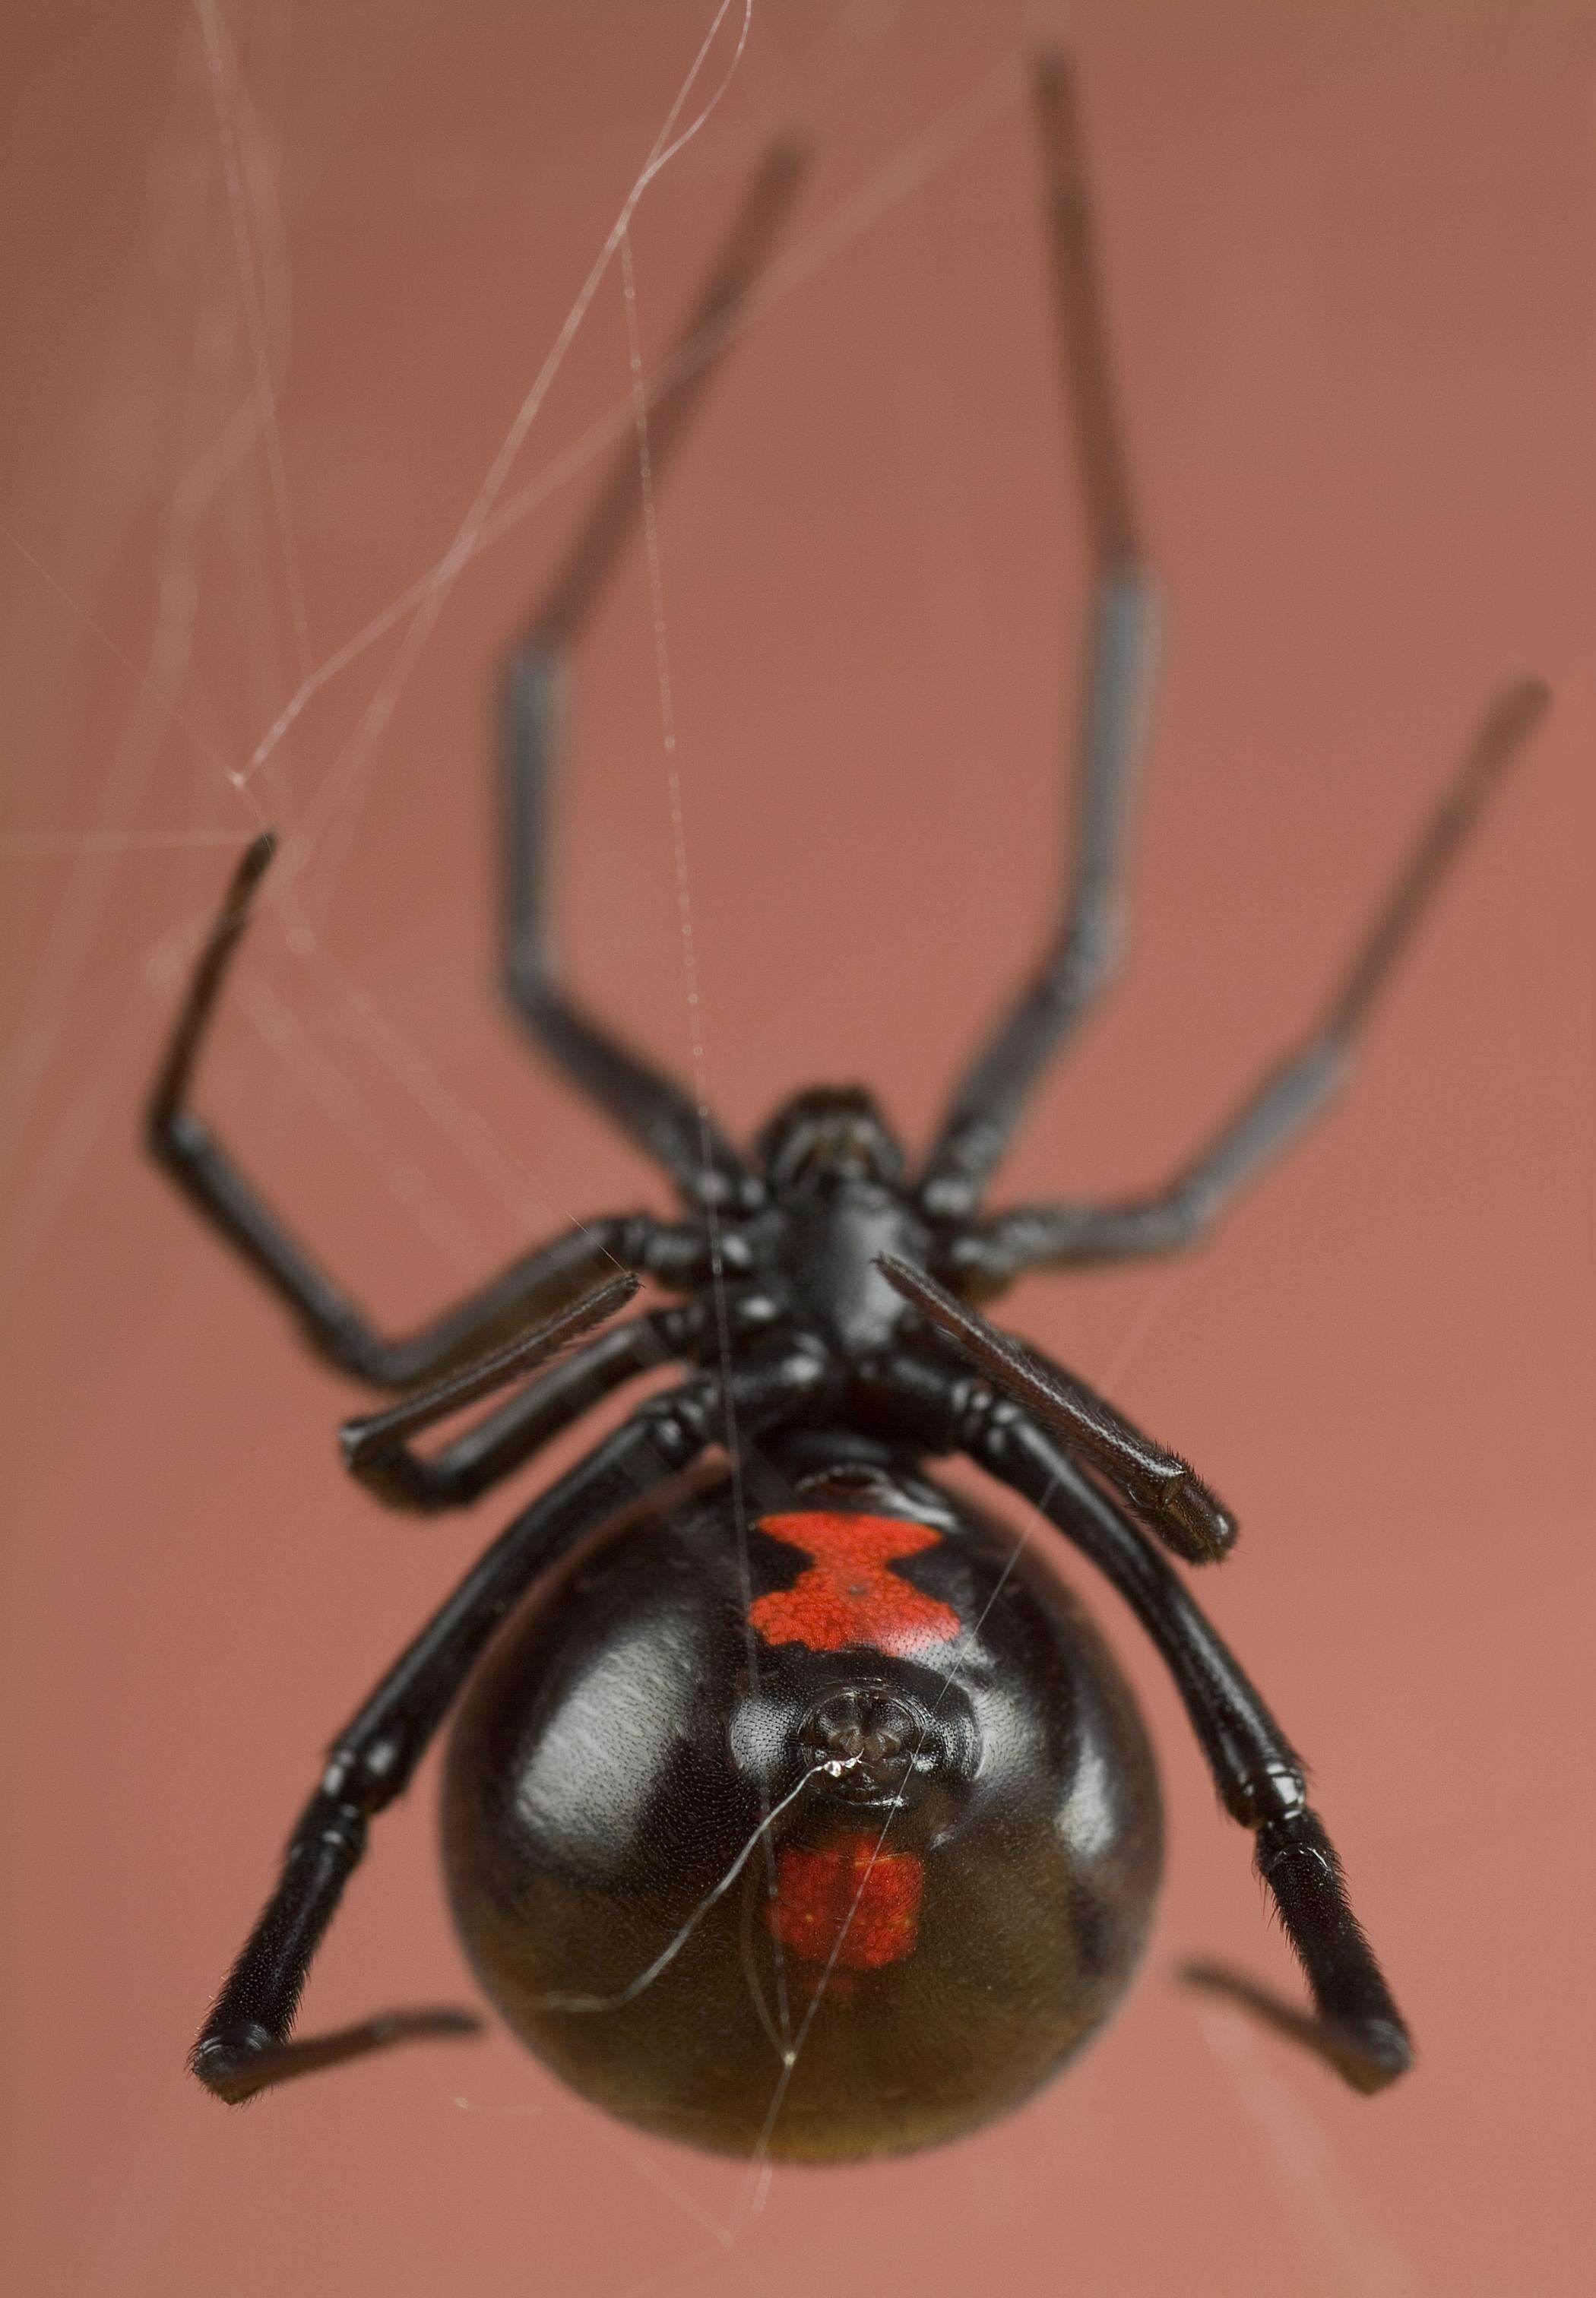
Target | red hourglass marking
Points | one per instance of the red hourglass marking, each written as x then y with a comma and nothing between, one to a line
848,1596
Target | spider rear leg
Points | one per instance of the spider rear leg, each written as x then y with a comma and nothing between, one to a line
244,2045
1351,2058
1259,1775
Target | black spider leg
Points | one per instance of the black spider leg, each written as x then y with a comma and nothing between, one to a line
660,1115
1290,1094
377,1448
991,1095
244,2046
1258,1773
1164,1489
1300,2027
539,1282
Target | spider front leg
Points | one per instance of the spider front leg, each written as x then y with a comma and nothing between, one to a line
1121,661
244,2046
542,1281
656,1110
1165,1491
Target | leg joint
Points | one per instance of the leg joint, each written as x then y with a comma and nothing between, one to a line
361,1778
223,2061
679,1425
174,1136
1266,1797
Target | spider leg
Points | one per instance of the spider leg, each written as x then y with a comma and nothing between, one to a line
376,1447
539,1282
1164,1489
1296,1089
244,2046
1258,1773
990,1097
661,1116
1299,2026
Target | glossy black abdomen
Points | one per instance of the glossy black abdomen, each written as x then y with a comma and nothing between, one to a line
955,1888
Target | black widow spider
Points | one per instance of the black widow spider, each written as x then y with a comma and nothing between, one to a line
812,1653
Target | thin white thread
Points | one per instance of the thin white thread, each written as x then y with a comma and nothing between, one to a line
168,699
699,1062
223,84
338,792
895,180
467,1131
392,1162
113,841
667,1954
77,919
760,2177
1037,1516
670,2188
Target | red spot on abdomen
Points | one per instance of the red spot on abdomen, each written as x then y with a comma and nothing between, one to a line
847,1595
850,1906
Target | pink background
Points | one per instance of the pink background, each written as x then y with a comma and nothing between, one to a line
1350,254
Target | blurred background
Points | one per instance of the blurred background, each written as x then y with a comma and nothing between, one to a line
279,283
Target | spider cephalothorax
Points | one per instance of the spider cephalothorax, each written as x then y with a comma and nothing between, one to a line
836,1203
827,1134
807,1814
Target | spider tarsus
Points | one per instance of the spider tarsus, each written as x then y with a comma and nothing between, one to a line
1050,79
234,2066
786,161
1510,717
1369,2056
1517,706
592,1307
241,2061
254,863
1198,1522
1186,1515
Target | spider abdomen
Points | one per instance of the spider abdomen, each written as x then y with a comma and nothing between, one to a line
835,1851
